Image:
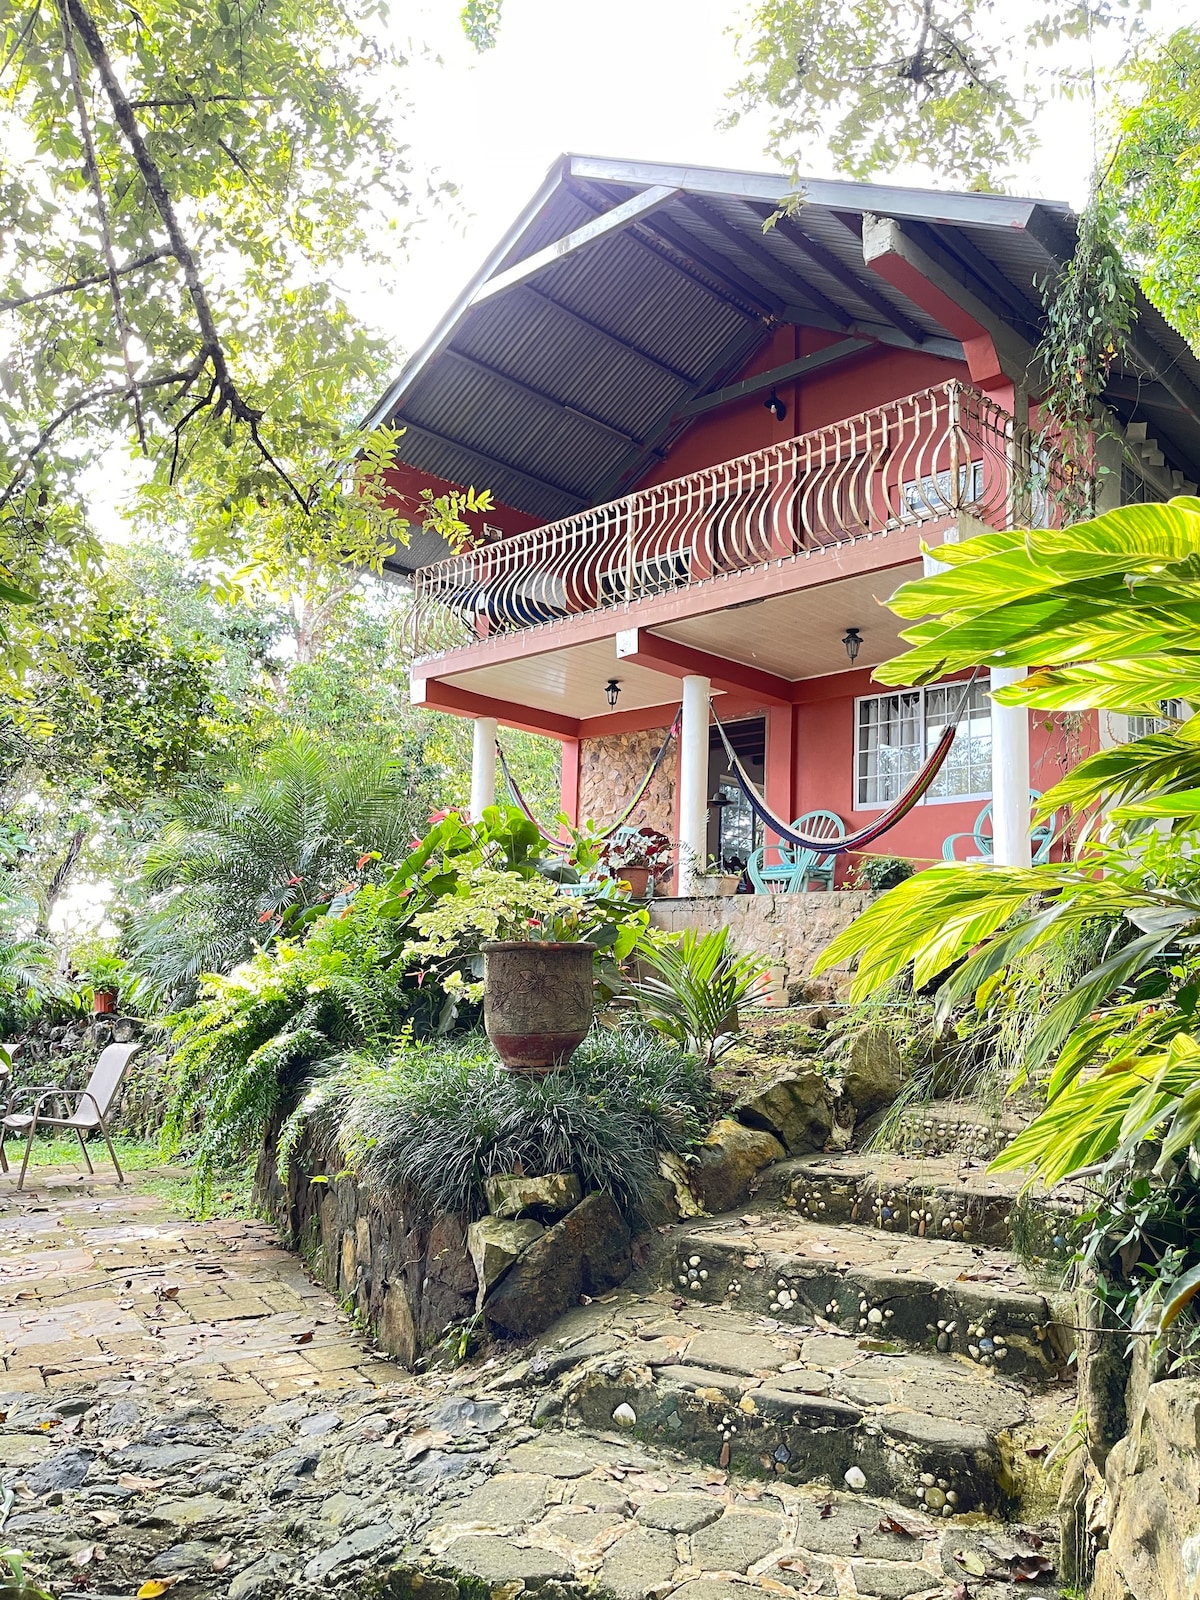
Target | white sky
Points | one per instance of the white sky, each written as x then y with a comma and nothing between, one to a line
643,79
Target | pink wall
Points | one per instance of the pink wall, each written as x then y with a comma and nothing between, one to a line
823,767
843,389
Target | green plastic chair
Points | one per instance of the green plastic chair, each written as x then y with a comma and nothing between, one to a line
796,866
1040,838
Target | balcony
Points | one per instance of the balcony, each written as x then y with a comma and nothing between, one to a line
923,460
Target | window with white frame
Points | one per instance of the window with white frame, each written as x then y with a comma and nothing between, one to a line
1173,711
894,734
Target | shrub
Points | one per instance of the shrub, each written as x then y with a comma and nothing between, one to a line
693,987
432,1122
254,1034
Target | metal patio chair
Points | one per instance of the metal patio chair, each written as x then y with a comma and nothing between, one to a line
91,1106
795,865
1040,838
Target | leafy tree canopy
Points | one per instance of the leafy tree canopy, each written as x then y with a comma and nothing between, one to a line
1155,176
180,182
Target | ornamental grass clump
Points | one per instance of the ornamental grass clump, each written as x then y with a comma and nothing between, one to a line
431,1122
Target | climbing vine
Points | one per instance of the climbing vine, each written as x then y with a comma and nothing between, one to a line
1089,310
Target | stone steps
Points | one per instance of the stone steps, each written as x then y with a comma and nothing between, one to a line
948,1197
578,1513
925,1294
751,1394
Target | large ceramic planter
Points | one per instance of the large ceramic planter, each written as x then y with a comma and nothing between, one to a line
537,1002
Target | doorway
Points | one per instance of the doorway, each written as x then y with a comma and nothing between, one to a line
734,831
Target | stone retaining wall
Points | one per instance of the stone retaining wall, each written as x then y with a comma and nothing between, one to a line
1150,1503
409,1280
791,930
412,1279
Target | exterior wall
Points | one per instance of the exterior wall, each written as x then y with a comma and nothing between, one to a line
843,389
611,768
790,930
824,769
810,767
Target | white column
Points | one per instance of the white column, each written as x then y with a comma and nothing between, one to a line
1010,775
693,783
483,766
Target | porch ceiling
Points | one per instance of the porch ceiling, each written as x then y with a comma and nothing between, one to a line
794,636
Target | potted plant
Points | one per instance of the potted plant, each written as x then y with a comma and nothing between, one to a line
637,857
719,872
102,973
539,940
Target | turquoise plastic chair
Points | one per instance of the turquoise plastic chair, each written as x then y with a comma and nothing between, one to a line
795,866
1040,838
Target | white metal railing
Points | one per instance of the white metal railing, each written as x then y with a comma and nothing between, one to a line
912,461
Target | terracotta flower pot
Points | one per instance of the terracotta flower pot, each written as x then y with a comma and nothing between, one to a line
638,879
537,1002
104,1002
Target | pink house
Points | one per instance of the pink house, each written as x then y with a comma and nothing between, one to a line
716,447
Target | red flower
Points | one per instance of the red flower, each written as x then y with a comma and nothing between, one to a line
362,861
439,816
266,916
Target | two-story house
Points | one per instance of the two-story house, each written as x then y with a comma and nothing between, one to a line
715,450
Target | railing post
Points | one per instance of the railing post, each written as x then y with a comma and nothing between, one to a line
955,398
693,783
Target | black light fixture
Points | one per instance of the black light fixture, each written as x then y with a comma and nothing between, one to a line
853,642
612,691
775,406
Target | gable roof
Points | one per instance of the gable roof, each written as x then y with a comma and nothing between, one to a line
628,290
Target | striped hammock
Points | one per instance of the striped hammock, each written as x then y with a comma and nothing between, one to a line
524,807
887,820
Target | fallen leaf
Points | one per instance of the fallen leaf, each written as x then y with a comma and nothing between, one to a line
221,1560
171,1292
825,1511
424,1440
130,1480
303,1338
153,1587
106,1519
1029,1568
971,1561
908,1527
960,1592
86,1555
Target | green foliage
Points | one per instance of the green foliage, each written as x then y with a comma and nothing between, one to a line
27,962
881,872
949,84
232,869
1154,177
1089,310
180,184
254,1034
1112,601
431,1123
693,988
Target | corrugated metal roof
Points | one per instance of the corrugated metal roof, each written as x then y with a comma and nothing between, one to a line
558,391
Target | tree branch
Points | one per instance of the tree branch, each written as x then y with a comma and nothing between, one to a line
21,38
110,391
75,284
110,260
229,397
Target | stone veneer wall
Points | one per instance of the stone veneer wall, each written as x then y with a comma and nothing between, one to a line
408,1279
791,930
611,768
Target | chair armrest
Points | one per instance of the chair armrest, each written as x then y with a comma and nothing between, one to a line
15,1096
